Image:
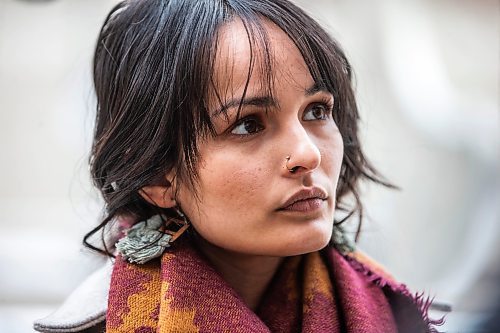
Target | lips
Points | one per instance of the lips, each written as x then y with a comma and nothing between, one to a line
305,200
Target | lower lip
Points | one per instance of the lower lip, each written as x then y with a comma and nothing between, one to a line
305,206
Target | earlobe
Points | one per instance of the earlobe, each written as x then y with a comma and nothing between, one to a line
158,195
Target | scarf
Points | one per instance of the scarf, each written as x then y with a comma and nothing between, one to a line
323,291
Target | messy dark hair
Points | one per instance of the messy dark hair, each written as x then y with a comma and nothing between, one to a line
153,69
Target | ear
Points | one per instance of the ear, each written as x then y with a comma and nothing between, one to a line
162,195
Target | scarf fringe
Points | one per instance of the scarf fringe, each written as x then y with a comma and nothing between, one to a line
421,301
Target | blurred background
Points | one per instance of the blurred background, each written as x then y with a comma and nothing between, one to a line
427,74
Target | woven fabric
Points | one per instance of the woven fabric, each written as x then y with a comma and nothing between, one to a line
317,292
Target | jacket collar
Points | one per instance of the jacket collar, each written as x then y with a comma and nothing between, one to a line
85,306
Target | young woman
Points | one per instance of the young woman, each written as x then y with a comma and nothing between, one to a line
226,142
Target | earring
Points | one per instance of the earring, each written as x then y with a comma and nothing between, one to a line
291,170
177,226
148,239
341,241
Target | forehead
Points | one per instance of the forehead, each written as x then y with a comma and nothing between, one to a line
254,55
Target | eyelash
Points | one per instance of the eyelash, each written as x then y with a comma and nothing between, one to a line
325,102
256,118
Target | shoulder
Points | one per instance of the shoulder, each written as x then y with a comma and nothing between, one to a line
85,308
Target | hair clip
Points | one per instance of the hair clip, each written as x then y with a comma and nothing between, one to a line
114,186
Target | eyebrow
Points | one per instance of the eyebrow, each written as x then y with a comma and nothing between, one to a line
264,101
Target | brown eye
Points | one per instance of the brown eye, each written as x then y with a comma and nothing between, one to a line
316,112
247,126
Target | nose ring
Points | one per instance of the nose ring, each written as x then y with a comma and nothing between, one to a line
291,170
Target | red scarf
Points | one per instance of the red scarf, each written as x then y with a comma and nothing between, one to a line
317,292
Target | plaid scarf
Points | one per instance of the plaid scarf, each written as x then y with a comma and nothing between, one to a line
322,291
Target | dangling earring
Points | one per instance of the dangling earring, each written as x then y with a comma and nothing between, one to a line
179,225
341,241
148,239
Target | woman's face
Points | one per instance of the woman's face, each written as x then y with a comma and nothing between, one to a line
247,196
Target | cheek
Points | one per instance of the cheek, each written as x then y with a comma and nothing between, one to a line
230,184
332,153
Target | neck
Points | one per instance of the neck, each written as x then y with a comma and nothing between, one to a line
248,275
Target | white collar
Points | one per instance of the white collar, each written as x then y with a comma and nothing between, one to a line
85,307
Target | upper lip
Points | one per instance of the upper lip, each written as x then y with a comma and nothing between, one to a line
305,194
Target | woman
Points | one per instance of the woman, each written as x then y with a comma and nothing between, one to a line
226,142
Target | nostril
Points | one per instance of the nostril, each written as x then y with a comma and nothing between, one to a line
292,169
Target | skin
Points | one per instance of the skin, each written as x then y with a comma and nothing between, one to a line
243,176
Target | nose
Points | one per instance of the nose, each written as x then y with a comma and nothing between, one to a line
302,154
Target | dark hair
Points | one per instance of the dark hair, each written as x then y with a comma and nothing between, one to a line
153,67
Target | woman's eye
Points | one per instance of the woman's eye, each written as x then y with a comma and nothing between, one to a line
317,112
247,126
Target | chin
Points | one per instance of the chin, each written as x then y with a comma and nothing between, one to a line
310,242
313,246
